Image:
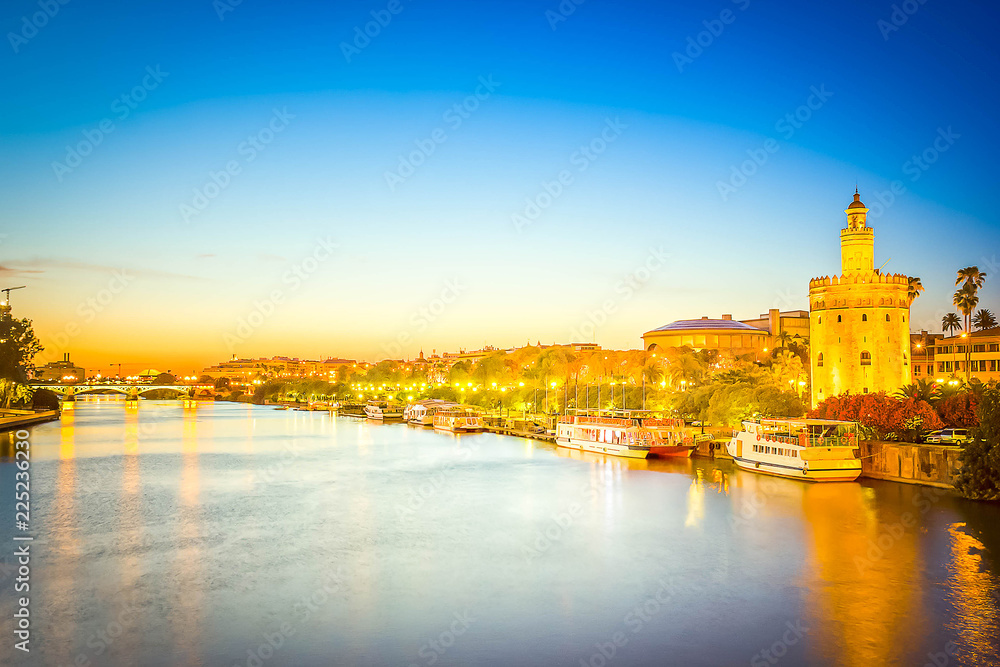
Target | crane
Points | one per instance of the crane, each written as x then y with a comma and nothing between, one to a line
7,291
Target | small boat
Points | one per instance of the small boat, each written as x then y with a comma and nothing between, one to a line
814,450
421,413
458,420
383,410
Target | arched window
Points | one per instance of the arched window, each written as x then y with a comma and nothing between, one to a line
866,358
839,318
821,319
864,317
887,317
819,360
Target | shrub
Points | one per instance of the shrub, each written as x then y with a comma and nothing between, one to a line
45,399
979,478
959,410
881,416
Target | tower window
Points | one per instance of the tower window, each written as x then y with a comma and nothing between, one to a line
819,360
864,318
887,317
821,319
839,318
866,358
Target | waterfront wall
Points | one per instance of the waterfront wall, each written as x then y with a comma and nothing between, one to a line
929,465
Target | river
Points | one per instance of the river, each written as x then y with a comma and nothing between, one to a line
228,534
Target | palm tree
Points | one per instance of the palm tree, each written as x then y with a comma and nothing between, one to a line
783,339
971,275
966,300
984,319
914,288
922,390
973,279
950,322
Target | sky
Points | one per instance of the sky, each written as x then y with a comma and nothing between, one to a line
184,181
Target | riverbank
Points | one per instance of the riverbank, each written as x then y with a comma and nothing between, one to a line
15,419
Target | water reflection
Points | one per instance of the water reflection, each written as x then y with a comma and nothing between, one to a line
189,594
973,590
864,573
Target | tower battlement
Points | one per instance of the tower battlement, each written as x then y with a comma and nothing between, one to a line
874,278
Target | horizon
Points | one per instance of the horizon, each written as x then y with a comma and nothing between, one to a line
509,196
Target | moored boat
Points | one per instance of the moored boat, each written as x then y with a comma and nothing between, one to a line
815,450
632,434
421,413
458,420
671,441
383,410
617,436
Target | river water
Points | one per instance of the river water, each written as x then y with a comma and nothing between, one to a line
228,534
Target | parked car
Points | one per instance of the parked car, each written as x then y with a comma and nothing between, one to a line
948,436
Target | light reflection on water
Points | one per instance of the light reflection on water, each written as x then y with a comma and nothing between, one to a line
190,534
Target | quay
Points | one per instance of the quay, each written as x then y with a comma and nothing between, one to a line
15,419
520,428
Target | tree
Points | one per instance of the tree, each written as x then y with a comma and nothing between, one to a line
18,347
979,477
881,416
164,378
959,410
921,390
950,322
13,393
984,319
966,300
783,338
914,288
221,383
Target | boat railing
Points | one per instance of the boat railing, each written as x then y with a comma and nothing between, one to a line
806,440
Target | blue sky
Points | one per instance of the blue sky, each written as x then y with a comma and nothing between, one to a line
670,136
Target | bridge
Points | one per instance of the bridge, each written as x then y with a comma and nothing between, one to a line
131,391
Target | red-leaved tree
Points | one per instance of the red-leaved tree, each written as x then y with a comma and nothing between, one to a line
959,410
881,416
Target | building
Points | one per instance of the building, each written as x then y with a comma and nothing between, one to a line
245,371
948,356
725,335
793,323
922,347
59,371
755,336
859,336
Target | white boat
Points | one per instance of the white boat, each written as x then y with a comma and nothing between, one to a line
815,450
617,436
422,412
383,410
458,420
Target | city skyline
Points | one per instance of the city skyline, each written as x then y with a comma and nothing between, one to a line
301,152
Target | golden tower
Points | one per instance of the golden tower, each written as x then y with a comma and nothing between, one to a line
858,331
